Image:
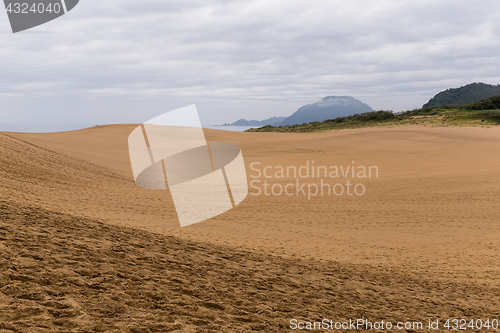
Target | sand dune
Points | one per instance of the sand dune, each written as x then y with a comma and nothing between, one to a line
422,242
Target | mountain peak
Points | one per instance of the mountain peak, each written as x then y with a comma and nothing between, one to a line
336,100
329,107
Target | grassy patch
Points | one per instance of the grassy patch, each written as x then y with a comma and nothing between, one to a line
481,113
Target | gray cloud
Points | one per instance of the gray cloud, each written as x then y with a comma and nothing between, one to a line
121,61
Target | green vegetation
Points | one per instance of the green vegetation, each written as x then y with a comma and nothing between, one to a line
484,112
464,95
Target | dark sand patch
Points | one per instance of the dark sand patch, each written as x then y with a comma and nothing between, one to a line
61,273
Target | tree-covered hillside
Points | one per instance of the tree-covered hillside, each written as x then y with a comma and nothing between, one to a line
485,112
464,95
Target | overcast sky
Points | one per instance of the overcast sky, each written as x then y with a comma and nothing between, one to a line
127,61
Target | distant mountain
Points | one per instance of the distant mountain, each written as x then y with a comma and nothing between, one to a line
328,108
265,122
464,95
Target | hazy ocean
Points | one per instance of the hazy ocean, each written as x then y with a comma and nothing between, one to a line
63,127
230,128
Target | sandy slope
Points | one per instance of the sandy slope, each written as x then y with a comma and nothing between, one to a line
432,214
59,273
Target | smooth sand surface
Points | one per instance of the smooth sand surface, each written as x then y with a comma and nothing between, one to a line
432,212
434,205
